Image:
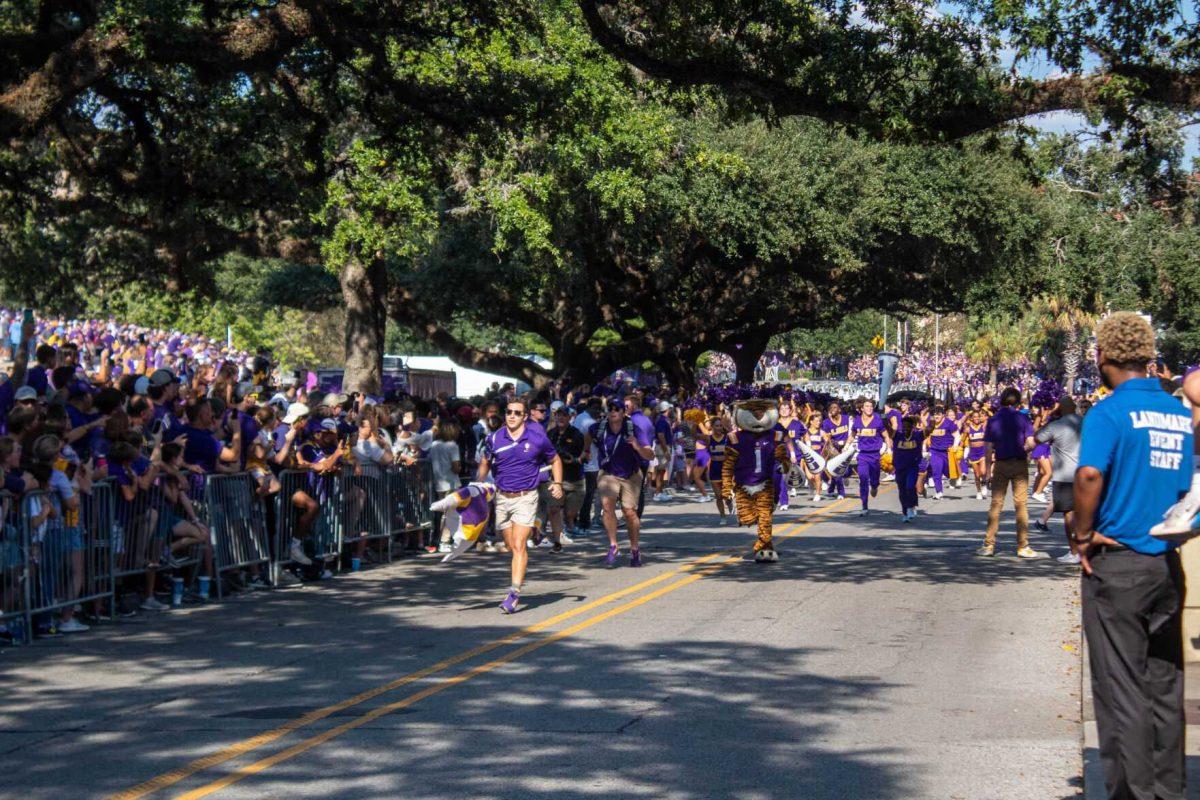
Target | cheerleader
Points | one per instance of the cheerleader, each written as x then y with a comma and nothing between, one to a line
791,428
701,459
871,435
1041,456
939,435
906,460
836,432
813,437
972,442
714,448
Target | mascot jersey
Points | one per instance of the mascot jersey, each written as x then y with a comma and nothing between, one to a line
473,503
753,456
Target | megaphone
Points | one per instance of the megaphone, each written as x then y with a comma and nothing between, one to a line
887,373
839,464
811,457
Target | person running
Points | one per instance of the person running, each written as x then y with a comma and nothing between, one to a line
972,442
514,456
1041,457
792,429
870,433
941,436
715,445
906,460
623,448
814,438
1061,433
836,431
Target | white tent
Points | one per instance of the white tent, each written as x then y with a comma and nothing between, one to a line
469,381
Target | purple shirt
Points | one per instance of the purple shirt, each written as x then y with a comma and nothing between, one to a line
838,431
515,464
869,433
617,457
643,425
755,456
1007,432
906,454
941,435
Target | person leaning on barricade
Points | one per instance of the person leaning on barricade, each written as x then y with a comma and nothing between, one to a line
322,456
178,522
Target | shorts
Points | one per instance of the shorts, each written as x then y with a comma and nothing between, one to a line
73,539
1062,497
663,456
520,510
572,499
625,491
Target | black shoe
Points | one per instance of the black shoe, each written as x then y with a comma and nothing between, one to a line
557,548
1041,526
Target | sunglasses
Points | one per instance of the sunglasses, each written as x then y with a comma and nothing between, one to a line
540,409
512,412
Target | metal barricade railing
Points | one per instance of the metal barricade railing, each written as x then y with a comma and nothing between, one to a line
365,509
321,533
410,491
236,518
14,570
70,561
136,544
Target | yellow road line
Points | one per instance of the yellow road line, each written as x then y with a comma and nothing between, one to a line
253,743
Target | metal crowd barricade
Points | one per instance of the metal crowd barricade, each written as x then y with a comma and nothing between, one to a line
365,510
323,540
410,491
70,560
136,544
236,518
14,569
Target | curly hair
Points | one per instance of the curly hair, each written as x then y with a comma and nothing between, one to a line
1125,339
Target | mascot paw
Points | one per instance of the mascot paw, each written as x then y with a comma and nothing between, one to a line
766,556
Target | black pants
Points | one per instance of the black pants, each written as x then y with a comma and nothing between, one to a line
589,498
1132,616
642,497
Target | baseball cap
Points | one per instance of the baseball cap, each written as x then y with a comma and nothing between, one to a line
664,406
329,424
161,377
556,405
141,385
278,400
25,393
336,399
295,411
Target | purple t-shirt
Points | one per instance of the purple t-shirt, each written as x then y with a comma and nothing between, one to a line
662,426
643,425
838,431
617,457
201,449
755,456
515,464
1007,432
941,435
869,433
906,454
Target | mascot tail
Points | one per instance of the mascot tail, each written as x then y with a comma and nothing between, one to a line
837,466
811,457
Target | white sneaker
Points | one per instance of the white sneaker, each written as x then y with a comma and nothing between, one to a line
816,498
151,604
784,507
701,498
979,495
793,492
862,513
1181,517
1065,558
325,575
723,520
937,496
546,543
445,547
297,553
73,626
489,547
564,539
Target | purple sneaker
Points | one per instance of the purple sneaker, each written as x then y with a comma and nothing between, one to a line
611,558
509,606
635,558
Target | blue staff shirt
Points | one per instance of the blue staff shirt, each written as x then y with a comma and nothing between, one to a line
1140,439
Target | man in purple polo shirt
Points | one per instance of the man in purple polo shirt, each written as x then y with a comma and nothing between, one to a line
514,455
1009,439
622,448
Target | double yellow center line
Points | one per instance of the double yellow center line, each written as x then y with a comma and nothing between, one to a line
691,572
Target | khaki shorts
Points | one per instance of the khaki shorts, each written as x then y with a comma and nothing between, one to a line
625,491
520,510
572,499
663,456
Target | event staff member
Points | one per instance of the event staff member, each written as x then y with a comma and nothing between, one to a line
623,449
1009,438
870,432
514,455
1135,461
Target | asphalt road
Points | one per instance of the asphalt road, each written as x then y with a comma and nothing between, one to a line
876,660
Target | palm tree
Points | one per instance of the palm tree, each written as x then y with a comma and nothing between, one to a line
993,340
1065,327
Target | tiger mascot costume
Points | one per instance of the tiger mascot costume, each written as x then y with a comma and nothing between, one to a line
752,452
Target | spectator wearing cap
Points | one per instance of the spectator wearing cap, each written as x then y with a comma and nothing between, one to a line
1135,462
288,441
163,390
322,456
26,395
664,450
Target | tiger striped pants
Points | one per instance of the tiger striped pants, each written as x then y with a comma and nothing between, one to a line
756,509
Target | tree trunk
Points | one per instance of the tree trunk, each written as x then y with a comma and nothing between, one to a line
745,358
363,290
